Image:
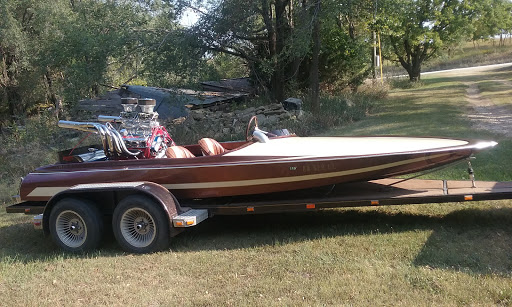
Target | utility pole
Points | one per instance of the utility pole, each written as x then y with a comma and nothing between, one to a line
374,56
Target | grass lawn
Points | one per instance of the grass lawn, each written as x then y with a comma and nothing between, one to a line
450,254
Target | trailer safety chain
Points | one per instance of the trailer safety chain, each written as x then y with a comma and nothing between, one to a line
471,172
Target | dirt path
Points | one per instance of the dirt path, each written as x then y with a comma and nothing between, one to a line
487,115
484,113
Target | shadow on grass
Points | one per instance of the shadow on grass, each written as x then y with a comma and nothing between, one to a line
479,241
22,243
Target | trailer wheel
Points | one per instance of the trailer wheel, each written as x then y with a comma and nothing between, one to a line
140,225
76,225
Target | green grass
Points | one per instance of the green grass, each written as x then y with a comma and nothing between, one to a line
435,254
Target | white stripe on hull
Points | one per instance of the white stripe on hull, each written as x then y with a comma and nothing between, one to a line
252,182
46,191
50,191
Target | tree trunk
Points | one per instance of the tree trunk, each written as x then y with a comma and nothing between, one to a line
414,70
51,96
281,36
314,82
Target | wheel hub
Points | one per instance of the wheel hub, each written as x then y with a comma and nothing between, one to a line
141,225
71,229
137,227
75,227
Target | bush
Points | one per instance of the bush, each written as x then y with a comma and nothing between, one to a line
338,110
27,146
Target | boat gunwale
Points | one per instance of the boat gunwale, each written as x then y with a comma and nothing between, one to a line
131,165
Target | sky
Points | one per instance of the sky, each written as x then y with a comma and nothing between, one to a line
189,18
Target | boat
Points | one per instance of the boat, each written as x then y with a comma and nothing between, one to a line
136,148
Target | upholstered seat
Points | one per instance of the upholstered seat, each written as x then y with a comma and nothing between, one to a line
211,147
178,152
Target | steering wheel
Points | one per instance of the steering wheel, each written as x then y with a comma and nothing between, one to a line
248,129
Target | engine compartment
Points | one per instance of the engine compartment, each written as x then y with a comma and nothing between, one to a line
134,134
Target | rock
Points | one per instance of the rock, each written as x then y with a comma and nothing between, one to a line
275,106
285,116
274,112
261,118
250,110
292,104
179,120
227,115
270,120
224,124
197,115
245,117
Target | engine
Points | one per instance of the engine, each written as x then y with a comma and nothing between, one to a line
136,133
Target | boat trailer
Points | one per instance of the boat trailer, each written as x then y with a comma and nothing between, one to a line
383,192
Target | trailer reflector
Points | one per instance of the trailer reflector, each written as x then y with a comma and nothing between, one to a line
190,218
310,206
468,197
250,209
38,221
374,202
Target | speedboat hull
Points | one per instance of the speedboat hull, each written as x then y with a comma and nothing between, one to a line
282,164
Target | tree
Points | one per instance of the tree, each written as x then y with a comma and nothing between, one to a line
418,30
64,50
290,45
491,18
345,57
270,35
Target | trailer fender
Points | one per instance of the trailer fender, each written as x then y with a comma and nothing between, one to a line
117,191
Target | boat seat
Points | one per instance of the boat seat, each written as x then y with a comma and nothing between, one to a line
211,147
178,152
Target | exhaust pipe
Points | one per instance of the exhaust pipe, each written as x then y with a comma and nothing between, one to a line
108,119
87,127
111,139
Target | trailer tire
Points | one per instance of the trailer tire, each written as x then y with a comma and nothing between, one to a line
76,225
140,225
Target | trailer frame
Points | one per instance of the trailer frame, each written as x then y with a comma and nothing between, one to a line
183,213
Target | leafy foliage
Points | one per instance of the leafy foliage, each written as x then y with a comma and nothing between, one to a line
67,50
492,17
418,30
58,52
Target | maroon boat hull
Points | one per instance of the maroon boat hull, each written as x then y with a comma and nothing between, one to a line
218,176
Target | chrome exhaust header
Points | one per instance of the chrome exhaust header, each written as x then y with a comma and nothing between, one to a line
81,126
111,139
